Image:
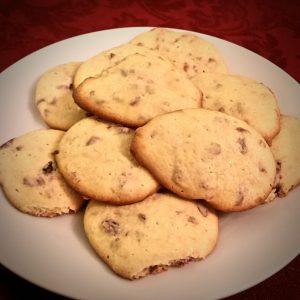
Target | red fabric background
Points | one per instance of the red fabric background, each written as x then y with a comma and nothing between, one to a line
270,28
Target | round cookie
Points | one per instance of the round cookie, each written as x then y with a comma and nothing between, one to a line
94,66
30,178
243,98
54,100
136,89
186,51
95,159
203,154
150,236
286,150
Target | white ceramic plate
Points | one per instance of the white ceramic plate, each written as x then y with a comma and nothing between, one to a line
55,254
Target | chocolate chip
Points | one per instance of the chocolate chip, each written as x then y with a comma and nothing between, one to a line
135,101
185,67
241,129
55,152
124,130
33,182
92,140
111,55
177,175
278,166
240,198
192,219
203,210
49,167
243,146
123,72
215,148
110,226
142,217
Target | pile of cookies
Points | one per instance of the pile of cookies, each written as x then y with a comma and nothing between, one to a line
155,136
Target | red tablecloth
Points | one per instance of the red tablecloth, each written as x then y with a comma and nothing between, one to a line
270,28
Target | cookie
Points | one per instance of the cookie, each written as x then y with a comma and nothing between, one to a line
54,100
203,154
136,89
30,178
150,236
95,159
186,51
243,98
94,66
286,150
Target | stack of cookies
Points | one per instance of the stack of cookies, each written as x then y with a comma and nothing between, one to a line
157,137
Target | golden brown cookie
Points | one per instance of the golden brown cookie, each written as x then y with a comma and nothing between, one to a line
30,178
137,89
150,236
95,159
203,154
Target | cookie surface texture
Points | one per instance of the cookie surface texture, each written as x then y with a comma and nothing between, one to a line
95,159
30,178
53,97
243,98
186,51
203,154
94,66
150,236
137,89
286,149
